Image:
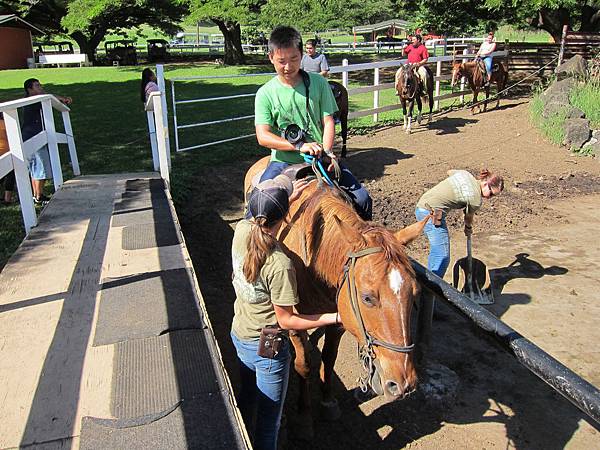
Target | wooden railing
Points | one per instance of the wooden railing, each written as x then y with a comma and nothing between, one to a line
158,125
20,152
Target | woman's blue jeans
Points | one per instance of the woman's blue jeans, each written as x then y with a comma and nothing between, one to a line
262,395
488,64
348,182
439,244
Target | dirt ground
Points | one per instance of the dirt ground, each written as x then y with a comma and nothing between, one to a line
538,239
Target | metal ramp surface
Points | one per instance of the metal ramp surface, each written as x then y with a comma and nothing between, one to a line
104,343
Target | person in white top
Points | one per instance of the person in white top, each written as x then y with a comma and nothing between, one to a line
148,84
487,47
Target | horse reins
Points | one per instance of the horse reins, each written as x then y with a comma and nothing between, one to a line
365,352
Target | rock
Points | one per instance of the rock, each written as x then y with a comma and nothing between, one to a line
575,113
592,149
559,91
596,134
577,132
574,67
553,108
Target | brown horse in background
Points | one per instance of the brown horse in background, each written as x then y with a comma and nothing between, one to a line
410,88
472,71
341,99
361,270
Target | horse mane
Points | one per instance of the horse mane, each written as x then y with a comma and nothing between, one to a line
327,247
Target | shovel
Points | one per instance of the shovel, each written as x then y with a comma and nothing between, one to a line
475,278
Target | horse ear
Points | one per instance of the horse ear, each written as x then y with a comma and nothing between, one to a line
411,232
350,234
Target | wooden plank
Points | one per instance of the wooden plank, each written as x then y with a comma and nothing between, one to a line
453,94
368,112
362,90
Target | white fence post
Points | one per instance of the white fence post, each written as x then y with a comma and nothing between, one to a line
345,74
160,75
463,79
153,143
21,168
57,177
438,73
161,138
376,94
71,143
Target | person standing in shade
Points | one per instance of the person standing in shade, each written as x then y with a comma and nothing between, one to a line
264,280
460,190
313,62
33,123
148,84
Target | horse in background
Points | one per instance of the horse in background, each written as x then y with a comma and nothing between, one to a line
410,88
476,78
361,270
341,99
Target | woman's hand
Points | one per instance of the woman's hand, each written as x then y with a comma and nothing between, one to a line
299,186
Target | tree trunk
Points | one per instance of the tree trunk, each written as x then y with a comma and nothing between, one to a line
88,45
552,20
232,32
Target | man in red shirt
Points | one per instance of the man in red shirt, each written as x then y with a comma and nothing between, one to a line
417,54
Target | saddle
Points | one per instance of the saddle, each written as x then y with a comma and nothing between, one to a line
294,172
337,92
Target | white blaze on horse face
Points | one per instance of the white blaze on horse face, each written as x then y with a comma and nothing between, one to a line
396,281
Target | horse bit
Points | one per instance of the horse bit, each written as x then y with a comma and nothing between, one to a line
366,353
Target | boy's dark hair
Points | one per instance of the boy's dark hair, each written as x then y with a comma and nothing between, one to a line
285,37
312,42
146,78
29,84
419,37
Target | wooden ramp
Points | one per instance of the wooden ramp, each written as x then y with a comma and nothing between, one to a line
104,341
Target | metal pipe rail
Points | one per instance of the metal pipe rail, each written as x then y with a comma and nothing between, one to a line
578,391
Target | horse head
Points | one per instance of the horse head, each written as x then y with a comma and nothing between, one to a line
407,82
375,298
458,69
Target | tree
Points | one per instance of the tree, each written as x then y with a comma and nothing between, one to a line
88,21
550,15
228,15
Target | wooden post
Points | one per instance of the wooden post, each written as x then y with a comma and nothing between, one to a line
438,73
561,53
160,75
463,79
71,143
153,143
57,177
21,168
376,94
161,138
345,74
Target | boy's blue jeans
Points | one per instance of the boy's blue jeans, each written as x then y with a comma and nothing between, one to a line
348,182
262,395
439,243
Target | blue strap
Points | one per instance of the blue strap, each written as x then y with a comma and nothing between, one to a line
309,159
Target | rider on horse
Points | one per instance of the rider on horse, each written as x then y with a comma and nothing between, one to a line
290,124
487,47
417,56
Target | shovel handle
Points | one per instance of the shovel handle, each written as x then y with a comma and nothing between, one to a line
470,271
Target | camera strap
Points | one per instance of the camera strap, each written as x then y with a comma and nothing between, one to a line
306,81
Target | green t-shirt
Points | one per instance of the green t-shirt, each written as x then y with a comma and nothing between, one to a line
460,190
276,285
278,106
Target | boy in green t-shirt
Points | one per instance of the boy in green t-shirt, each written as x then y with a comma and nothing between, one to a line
282,102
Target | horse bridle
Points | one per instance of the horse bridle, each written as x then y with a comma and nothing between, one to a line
366,353
409,68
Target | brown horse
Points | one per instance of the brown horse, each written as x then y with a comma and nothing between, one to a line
472,71
341,99
410,88
360,269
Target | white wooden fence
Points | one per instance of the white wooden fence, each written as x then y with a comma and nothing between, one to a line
159,134
344,69
20,151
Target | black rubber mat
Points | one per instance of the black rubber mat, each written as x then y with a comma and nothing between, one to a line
141,199
154,374
142,184
146,305
141,216
202,423
149,235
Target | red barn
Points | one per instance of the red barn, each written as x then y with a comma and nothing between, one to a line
15,35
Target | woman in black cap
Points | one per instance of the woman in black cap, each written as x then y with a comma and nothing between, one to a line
265,285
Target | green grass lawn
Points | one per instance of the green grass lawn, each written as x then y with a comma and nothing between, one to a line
110,127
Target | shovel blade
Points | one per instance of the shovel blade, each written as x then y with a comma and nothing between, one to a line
480,286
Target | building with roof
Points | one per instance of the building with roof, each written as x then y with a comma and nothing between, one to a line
17,47
388,27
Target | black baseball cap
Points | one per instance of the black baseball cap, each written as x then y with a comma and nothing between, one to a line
271,199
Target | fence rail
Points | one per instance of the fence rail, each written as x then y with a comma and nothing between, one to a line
20,152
